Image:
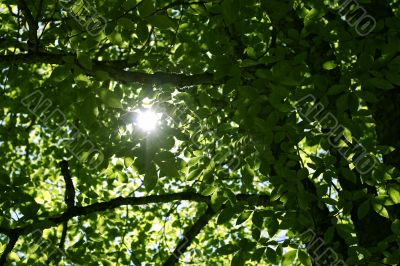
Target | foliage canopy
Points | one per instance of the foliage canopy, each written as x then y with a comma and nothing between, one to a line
278,133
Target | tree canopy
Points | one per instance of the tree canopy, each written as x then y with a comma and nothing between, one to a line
184,132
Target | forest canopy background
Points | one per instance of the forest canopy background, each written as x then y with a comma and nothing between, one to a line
160,132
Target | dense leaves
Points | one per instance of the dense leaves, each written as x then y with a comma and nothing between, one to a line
277,141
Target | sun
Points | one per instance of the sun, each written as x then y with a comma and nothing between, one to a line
147,120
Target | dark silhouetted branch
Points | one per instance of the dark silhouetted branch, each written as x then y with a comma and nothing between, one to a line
69,185
189,236
251,200
32,25
69,198
116,70
13,238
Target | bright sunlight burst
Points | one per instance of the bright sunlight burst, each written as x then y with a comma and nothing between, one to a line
147,120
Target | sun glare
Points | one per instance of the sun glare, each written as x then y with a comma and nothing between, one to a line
147,120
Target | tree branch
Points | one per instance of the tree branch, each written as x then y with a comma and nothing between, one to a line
69,198
252,200
63,235
14,236
39,14
192,232
115,69
33,58
132,201
32,24
158,78
189,236
69,185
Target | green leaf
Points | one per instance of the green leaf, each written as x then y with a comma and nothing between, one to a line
248,175
193,174
85,61
129,4
226,215
258,254
396,227
394,193
217,199
258,219
289,258
128,161
209,190
329,234
111,100
12,256
264,74
304,258
20,180
60,73
394,78
115,37
69,59
110,27
311,16
336,89
384,200
329,201
146,7
273,227
29,210
168,169
380,83
238,259
271,255
227,249
161,21
165,156
127,24
328,65
243,217
302,173
345,231
380,209
247,244
82,80
4,177
142,32
349,174
363,209
255,233
150,177
232,199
